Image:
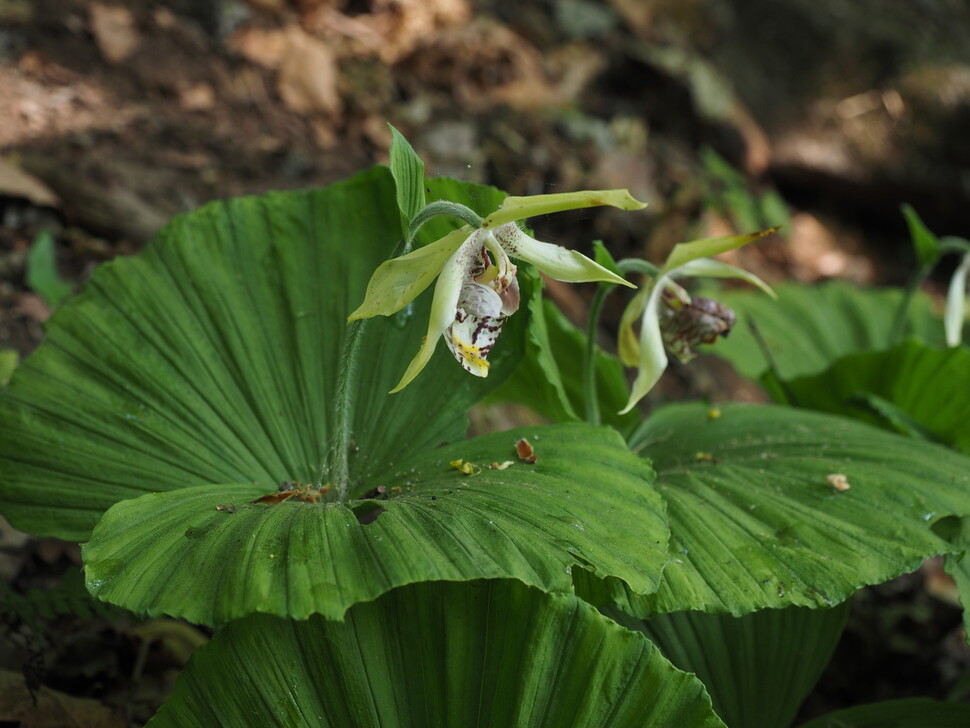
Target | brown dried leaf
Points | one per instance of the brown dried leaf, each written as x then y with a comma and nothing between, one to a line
262,46
525,451
307,80
114,30
15,182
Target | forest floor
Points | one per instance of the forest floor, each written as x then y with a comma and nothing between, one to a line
116,116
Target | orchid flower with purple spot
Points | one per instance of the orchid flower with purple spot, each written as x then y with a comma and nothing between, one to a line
477,287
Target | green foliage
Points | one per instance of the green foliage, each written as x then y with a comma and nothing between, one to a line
925,244
758,668
533,522
69,598
204,416
811,326
210,358
755,519
42,276
908,713
909,388
550,377
728,193
408,172
438,654
9,358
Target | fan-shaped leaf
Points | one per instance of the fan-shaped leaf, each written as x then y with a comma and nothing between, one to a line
760,515
809,327
211,357
440,654
918,382
586,501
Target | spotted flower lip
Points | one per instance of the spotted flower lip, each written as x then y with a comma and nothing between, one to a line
646,352
476,287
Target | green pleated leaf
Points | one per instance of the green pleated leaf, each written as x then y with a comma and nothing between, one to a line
41,271
408,172
585,502
810,327
211,357
440,654
912,388
925,244
550,377
756,517
957,564
757,668
908,713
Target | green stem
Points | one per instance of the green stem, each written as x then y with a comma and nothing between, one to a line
899,322
589,360
442,207
337,466
637,265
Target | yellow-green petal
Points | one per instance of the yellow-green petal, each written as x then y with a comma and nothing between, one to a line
519,208
398,281
554,260
707,247
716,269
447,292
628,344
653,357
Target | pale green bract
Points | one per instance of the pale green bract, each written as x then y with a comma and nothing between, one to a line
477,287
647,352
956,303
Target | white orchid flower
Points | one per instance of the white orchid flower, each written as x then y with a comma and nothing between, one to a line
956,303
477,288
647,351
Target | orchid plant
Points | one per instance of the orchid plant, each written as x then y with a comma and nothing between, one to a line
363,561
477,287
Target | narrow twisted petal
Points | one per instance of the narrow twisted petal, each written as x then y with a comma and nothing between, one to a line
652,360
447,293
684,253
554,260
628,344
716,269
519,208
398,281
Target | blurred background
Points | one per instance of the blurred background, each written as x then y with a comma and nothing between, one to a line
823,116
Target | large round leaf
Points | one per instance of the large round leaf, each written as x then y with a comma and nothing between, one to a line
212,357
468,654
809,327
911,387
208,554
757,518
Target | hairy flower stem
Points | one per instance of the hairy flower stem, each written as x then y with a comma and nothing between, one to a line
336,469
